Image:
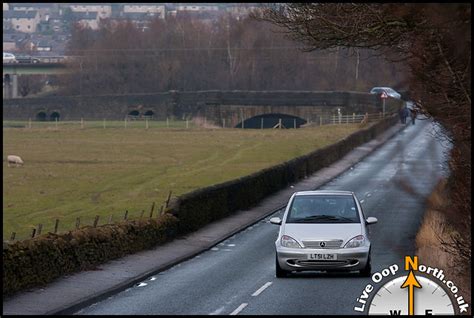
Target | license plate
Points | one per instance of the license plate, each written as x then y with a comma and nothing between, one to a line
322,257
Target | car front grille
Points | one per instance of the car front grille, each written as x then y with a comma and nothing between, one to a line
331,244
321,263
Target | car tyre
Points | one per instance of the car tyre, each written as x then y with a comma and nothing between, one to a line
367,270
279,271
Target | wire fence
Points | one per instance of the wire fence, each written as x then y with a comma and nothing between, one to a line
148,122
56,226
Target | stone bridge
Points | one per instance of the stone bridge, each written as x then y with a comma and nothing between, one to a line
222,108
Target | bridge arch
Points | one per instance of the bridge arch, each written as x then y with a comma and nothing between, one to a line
54,116
41,116
149,114
272,120
134,114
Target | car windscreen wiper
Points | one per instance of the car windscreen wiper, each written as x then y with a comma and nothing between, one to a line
322,217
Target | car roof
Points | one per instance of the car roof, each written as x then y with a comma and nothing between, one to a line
382,87
324,192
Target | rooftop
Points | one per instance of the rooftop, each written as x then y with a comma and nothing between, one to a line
84,15
10,14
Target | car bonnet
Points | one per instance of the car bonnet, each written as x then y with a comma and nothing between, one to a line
322,231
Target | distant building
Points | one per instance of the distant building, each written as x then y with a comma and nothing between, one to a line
14,41
46,45
196,7
9,42
43,46
41,8
86,19
55,22
139,19
205,16
23,21
151,9
241,10
103,10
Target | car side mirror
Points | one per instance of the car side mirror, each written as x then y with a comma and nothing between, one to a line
275,220
371,220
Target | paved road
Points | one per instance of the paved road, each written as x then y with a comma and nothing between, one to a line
237,275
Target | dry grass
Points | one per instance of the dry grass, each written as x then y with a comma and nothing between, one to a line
434,230
70,172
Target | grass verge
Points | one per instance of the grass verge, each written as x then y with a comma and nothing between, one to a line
435,246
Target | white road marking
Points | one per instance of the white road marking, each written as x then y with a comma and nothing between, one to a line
261,289
361,201
153,278
239,309
230,244
214,249
142,284
217,311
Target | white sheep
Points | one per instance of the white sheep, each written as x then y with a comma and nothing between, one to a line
12,159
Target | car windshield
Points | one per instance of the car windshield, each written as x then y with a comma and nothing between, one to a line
323,209
377,90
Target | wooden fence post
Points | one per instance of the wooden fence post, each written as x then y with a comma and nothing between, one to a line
126,215
187,124
125,122
141,214
146,123
223,122
353,117
56,225
56,122
161,211
261,123
104,123
96,220
78,223
33,233
82,123
110,219
279,123
29,123
40,228
12,237
168,200
151,210
167,123
320,120
294,123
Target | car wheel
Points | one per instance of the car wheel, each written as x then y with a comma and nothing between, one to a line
367,270
279,271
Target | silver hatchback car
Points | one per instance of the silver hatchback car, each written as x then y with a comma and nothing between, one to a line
323,230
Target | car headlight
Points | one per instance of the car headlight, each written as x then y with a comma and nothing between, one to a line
357,241
288,241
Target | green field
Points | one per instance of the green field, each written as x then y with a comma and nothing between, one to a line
71,172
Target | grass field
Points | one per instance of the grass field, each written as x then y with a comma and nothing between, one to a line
72,172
